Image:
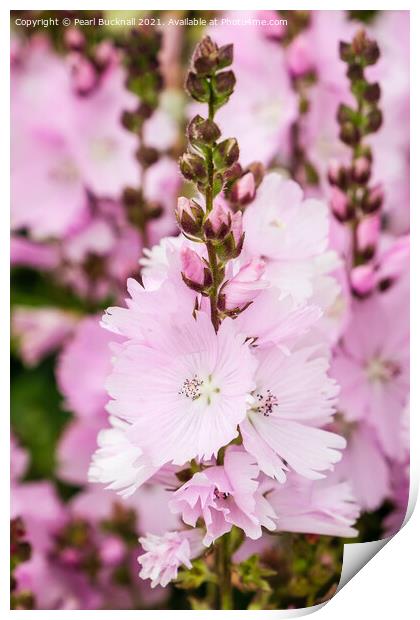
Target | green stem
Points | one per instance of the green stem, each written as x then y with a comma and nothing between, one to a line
214,289
224,573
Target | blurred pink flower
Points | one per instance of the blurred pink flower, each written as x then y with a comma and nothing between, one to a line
315,507
40,331
372,366
245,286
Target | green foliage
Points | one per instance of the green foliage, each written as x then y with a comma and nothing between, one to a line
37,417
189,579
252,575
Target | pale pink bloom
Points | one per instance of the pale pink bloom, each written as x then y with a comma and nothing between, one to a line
192,266
225,496
289,232
118,463
161,130
40,331
245,286
76,446
368,231
88,350
183,389
270,320
293,397
18,460
164,555
365,467
321,507
400,484
260,118
372,366
24,252
363,279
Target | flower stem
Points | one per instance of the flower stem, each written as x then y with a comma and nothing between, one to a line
224,573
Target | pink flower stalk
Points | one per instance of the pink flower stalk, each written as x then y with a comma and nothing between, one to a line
293,398
183,391
192,266
368,231
40,331
315,507
243,288
164,555
224,496
363,279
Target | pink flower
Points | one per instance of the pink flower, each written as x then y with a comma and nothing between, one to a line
192,266
165,554
315,507
29,254
372,366
224,496
183,390
292,399
245,286
290,233
339,204
41,331
76,446
89,349
118,463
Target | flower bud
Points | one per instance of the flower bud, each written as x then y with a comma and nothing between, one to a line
193,167
355,72
226,153
231,246
373,199
84,74
243,288
147,155
202,131
361,170
218,223
198,87
345,51
340,205
194,273
189,216
224,83
363,280
367,234
205,57
371,52
337,175
225,56
257,169
74,39
374,120
243,190
112,551
372,93
299,57
349,133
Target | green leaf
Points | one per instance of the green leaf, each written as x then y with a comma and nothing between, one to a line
189,579
252,575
